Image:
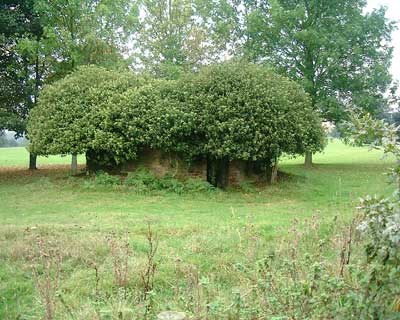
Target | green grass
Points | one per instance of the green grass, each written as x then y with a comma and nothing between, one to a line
201,229
19,157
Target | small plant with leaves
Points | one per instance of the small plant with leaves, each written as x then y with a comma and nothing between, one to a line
381,222
141,180
106,179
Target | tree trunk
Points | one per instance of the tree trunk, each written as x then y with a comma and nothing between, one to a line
101,160
274,172
32,156
271,171
308,160
74,165
32,161
218,172
223,173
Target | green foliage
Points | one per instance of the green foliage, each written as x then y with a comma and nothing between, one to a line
324,46
82,32
161,115
233,110
142,180
197,185
19,71
248,112
42,41
102,181
169,182
381,222
105,179
171,37
247,186
77,114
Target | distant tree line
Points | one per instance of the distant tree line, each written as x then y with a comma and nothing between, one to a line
339,54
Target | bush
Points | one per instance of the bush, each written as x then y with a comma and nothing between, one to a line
168,182
102,179
197,185
105,179
248,112
380,281
142,179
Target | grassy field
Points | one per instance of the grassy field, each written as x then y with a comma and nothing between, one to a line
206,232
19,157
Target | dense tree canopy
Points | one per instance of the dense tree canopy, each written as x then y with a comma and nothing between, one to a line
18,71
42,41
163,110
82,32
339,54
248,112
76,114
228,111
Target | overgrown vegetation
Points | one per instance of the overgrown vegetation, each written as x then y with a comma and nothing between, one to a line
112,245
143,180
315,271
230,111
290,251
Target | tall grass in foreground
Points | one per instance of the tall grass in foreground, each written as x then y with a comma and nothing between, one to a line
318,270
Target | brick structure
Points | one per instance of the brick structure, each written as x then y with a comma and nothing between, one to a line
240,171
161,163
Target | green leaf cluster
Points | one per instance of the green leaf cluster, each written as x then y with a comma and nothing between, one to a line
248,112
339,53
78,114
225,111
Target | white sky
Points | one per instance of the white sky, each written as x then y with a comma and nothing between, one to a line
393,13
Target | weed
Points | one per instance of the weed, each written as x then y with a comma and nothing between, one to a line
105,179
46,265
147,275
142,179
198,185
120,252
247,187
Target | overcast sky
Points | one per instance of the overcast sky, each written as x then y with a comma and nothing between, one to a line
393,13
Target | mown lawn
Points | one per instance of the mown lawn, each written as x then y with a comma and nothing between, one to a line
203,230
19,157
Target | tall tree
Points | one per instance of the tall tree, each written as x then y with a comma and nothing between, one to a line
173,36
43,40
80,32
20,72
176,36
339,54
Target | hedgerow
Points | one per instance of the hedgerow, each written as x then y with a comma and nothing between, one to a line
229,111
